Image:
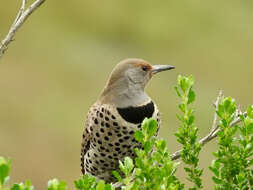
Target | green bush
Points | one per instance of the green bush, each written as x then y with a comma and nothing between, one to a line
154,167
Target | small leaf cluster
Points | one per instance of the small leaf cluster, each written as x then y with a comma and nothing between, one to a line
154,168
232,167
55,184
22,186
88,182
5,167
187,132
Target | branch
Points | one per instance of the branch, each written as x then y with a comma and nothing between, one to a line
216,108
20,19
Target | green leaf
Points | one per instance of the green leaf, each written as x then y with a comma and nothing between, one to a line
122,167
177,91
250,111
144,124
108,187
161,144
191,120
191,80
4,170
216,180
250,129
182,107
215,168
152,127
183,83
191,96
118,177
147,146
139,136
100,185
128,162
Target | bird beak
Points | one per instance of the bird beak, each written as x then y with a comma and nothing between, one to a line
158,68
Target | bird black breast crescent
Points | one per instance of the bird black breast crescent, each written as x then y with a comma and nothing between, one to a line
137,114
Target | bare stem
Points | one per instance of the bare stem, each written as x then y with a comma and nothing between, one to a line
18,22
216,108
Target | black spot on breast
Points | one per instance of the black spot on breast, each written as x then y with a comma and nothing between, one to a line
137,114
110,144
109,133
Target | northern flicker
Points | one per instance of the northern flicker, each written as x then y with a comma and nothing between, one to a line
116,115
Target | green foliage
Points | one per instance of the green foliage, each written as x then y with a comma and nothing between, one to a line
87,182
187,132
233,165
22,186
153,167
55,184
4,171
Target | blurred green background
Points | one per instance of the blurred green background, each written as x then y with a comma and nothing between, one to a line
62,56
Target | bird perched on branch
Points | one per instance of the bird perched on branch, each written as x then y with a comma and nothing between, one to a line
116,115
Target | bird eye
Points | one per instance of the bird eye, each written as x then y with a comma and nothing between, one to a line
144,68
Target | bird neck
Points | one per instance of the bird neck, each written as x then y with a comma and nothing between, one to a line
122,95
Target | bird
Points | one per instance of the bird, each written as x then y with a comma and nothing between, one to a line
112,120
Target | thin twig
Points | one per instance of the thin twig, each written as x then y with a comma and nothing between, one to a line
20,19
20,12
216,108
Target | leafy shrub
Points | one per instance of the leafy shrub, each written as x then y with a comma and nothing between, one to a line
154,168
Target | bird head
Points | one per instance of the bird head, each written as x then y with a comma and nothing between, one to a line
129,78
